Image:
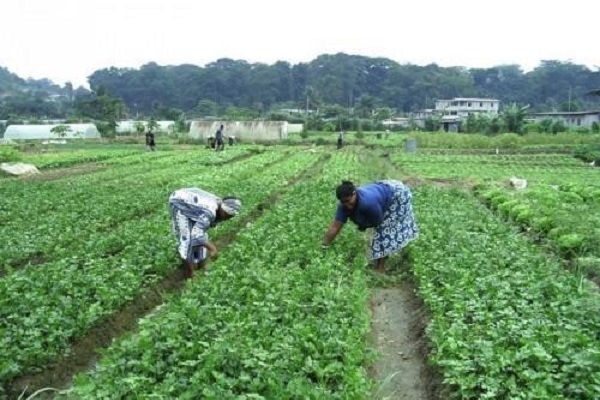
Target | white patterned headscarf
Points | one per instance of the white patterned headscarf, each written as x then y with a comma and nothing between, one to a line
232,206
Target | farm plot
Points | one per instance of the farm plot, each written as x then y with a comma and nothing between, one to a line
97,201
44,307
565,216
507,320
561,204
276,317
539,168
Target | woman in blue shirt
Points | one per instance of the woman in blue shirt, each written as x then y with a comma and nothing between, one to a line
194,212
385,206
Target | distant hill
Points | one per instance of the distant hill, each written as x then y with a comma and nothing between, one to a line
10,82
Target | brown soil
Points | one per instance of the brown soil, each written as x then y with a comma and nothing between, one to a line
59,173
399,319
397,332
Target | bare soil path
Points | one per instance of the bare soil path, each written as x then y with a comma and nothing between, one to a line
397,332
399,319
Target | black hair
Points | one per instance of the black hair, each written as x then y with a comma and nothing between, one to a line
346,189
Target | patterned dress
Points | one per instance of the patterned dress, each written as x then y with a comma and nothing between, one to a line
399,226
193,212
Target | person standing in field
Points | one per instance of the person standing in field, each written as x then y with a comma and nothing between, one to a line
385,206
193,212
340,140
151,142
219,139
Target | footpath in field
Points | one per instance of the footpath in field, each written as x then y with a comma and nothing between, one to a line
397,323
398,317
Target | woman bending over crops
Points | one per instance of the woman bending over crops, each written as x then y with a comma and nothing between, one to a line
385,206
194,212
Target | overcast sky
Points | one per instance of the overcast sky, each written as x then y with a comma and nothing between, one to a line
67,40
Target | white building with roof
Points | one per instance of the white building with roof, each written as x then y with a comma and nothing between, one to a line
573,119
462,107
44,132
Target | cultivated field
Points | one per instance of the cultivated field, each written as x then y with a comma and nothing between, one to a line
498,298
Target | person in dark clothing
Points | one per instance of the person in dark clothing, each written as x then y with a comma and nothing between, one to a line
211,143
219,145
340,140
151,142
385,206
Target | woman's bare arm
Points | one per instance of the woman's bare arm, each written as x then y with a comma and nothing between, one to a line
332,232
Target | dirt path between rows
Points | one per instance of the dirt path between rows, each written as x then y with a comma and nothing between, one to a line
397,332
399,319
60,173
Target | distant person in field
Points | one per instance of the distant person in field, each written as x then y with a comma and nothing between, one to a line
194,211
219,139
385,206
147,135
150,140
340,140
211,142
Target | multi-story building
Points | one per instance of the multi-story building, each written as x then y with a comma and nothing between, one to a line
465,106
453,112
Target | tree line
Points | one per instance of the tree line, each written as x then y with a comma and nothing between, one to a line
337,84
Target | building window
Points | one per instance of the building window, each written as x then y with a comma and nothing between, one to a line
578,122
469,104
480,105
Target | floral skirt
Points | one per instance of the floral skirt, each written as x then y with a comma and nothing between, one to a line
190,237
399,226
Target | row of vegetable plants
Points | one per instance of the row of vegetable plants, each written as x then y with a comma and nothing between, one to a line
275,316
507,321
567,216
43,308
69,158
467,167
89,210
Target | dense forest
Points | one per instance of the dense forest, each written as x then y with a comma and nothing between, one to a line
330,83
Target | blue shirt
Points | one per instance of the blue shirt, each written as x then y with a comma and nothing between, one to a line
371,202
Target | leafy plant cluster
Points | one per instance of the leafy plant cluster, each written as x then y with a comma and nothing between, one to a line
542,168
275,317
567,215
91,273
507,320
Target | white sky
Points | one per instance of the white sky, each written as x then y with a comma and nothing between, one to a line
67,40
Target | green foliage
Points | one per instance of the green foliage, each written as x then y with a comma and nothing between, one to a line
152,124
9,154
588,153
443,140
513,117
61,130
432,124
